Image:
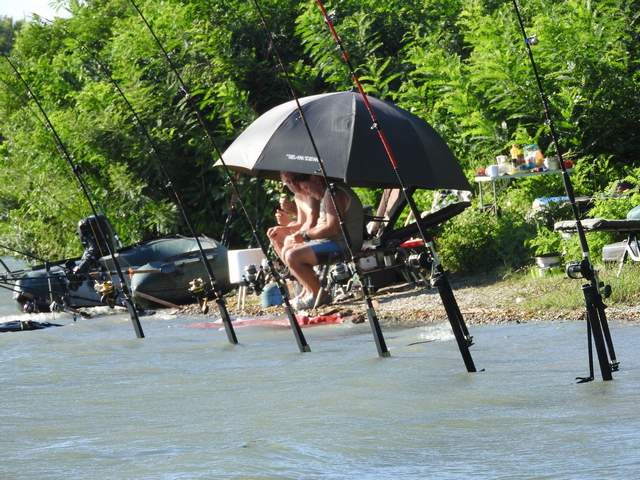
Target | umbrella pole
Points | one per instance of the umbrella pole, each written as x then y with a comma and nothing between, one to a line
440,279
374,322
303,346
214,288
593,290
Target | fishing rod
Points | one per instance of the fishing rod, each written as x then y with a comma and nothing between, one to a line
378,336
128,302
439,278
214,288
226,231
303,346
6,267
593,291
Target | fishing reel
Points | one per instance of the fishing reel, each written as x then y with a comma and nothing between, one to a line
583,270
197,289
340,273
30,306
532,40
107,292
418,264
419,260
74,280
254,278
578,270
342,277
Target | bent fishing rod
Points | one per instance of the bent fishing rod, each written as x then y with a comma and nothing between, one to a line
303,346
593,291
128,302
378,336
439,278
196,288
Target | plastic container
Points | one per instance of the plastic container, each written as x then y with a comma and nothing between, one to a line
503,164
552,163
271,295
492,171
517,157
531,154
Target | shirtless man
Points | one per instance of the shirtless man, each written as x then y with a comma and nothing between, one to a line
309,247
306,214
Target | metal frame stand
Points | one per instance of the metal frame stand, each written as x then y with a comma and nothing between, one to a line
598,329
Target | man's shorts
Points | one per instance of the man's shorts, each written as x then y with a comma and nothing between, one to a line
325,250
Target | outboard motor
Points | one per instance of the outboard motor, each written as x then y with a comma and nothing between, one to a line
95,234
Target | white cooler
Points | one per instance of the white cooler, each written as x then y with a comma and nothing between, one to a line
238,260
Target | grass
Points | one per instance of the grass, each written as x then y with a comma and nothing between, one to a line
555,292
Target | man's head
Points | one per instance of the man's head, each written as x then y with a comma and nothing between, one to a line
314,186
293,181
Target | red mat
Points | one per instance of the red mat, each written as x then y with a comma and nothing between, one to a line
303,320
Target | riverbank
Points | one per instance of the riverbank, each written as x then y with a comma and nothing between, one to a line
490,299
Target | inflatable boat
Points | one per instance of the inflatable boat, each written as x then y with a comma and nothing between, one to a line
158,272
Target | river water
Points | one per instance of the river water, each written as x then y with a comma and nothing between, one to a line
90,401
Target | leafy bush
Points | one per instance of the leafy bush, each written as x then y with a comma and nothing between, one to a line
545,242
477,241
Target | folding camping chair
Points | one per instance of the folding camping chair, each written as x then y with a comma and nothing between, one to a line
389,254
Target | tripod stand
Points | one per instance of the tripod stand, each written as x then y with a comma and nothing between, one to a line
597,326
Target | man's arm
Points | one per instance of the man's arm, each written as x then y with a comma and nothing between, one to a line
331,226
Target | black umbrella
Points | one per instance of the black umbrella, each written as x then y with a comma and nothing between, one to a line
277,141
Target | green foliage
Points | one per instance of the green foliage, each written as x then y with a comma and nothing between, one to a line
545,242
459,64
477,241
8,29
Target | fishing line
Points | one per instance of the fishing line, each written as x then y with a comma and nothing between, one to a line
381,345
439,278
303,346
133,313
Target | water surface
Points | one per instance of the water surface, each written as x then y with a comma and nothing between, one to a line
90,401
